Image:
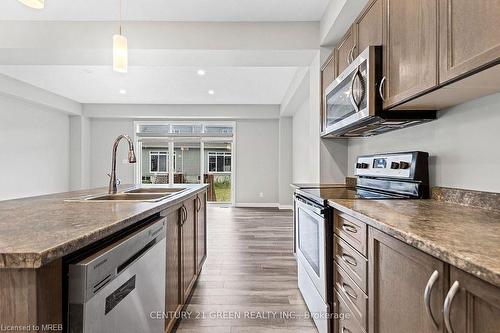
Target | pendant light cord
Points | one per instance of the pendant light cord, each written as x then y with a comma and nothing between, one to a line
120,16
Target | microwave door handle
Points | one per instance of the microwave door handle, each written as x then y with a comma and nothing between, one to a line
351,97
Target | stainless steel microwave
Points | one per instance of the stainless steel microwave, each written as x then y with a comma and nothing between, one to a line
352,105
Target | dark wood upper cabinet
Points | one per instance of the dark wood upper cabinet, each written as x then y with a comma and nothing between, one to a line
475,307
368,27
201,231
469,36
343,51
173,293
399,275
188,246
327,75
410,49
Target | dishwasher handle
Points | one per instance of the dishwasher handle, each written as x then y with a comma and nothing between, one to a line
134,257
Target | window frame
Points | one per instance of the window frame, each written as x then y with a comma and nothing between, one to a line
224,154
158,153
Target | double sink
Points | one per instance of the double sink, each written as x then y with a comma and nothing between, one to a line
143,194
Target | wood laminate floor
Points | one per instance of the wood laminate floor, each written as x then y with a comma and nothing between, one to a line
249,280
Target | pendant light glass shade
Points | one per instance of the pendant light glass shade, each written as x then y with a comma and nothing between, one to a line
37,4
120,54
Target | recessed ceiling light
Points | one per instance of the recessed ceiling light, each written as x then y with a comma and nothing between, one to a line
201,72
211,92
123,91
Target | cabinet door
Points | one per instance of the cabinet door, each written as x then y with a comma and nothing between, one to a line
399,275
368,27
188,232
469,36
410,48
173,293
475,308
201,230
328,74
343,51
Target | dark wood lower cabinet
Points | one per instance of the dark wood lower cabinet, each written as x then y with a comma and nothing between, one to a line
201,231
183,235
475,308
399,275
173,300
188,247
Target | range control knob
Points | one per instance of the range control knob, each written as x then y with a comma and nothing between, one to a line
404,165
361,165
394,165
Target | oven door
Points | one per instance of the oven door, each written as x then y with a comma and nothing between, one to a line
352,98
311,242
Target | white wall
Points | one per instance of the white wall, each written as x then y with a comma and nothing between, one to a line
35,149
302,164
257,161
463,144
285,161
103,132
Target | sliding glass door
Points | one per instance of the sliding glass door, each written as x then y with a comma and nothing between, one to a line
218,174
188,153
187,162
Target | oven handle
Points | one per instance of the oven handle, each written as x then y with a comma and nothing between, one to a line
307,205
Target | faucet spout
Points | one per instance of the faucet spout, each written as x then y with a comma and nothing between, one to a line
131,159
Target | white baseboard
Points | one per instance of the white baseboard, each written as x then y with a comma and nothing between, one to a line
257,205
285,207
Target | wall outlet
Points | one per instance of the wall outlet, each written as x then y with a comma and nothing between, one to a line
261,194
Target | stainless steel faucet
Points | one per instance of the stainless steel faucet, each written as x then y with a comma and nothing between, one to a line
131,159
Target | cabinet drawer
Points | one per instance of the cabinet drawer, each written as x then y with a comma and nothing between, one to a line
345,322
351,261
352,294
352,231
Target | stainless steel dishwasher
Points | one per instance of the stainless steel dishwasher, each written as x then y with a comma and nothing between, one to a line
118,288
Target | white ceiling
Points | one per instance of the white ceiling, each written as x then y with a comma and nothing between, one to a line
249,49
169,10
160,85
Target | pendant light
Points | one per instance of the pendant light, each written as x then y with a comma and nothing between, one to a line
37,4
120,49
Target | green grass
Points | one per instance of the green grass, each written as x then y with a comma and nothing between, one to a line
222,191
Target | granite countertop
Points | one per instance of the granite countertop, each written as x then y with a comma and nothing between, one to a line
467,238
37,230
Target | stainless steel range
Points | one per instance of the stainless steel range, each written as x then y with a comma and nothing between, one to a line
379,177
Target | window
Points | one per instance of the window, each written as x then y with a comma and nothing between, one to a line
219,162
158,162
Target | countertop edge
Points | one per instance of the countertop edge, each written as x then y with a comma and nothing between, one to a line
423,245
27,260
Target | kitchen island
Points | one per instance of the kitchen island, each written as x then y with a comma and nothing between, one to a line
37,234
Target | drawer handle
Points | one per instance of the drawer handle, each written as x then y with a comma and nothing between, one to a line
350,293
427,296
447,305
349,228
349,259
345,330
